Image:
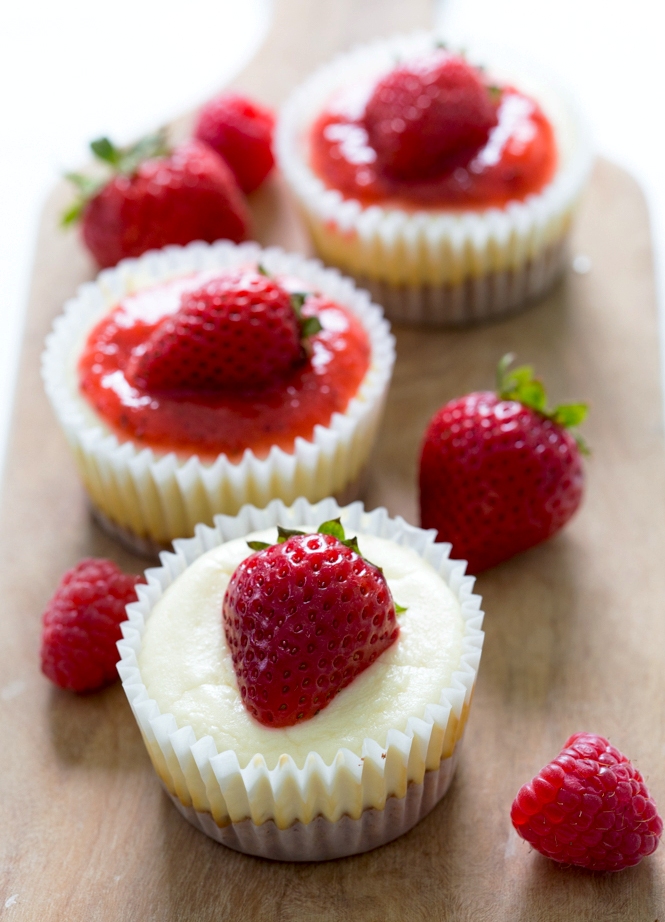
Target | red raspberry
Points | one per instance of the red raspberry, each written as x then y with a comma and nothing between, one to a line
81,625
241,132
238,330
158,199
500,473
425,111
589,807
302,620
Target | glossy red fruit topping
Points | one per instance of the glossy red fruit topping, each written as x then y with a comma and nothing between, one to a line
81,625
303,618
589,807
500,473
240,130
240,330
156,197
425,111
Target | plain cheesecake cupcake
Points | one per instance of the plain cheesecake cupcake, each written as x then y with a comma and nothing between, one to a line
445,184
193,380
303,690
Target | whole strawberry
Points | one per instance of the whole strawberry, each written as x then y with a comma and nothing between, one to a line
426,111
81,625
499,473
240,130
154,197
303,618
240,330
589,807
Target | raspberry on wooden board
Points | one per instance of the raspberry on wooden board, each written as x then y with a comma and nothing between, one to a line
241,131
589,807
81,625
303,618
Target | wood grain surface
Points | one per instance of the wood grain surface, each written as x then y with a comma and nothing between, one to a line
575,628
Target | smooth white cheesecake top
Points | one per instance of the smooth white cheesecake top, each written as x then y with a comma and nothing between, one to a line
186,664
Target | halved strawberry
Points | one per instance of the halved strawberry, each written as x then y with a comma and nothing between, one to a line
240,330
426,111
303,618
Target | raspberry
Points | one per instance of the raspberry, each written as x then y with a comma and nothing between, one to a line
589,807
303,619
81,625
240,131
238,330
426,111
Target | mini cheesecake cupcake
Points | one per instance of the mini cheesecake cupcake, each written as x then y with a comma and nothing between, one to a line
194,380
302,677
445,184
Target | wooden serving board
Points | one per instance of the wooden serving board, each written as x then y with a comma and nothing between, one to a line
575,628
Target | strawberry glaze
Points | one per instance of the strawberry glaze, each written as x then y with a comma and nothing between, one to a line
519,158
211,423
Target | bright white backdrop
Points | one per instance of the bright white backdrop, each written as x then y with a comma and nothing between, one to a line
73,70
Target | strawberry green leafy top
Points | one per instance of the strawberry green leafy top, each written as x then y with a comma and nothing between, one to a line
521,385
332,527
123,161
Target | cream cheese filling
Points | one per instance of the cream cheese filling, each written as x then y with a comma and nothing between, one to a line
186,664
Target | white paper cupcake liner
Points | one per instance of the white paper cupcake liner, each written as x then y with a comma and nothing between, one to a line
437,266
147,498
319,811
322,839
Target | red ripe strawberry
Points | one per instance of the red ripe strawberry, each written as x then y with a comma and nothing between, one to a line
156,197
241,132
239,330
500,473
303,618
427,110
81,625
589,807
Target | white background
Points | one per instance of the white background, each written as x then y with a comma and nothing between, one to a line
72,70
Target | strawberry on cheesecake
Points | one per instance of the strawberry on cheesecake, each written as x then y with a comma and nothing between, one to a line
196,380
315,677
445,183
221,362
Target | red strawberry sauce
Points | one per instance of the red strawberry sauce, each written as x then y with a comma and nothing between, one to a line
208,424
519,158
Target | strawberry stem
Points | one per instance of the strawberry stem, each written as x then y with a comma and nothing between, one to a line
309,326
120,160
332,527
521,385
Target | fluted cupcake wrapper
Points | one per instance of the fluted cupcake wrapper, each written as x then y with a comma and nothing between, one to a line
147,498
269,812
437,266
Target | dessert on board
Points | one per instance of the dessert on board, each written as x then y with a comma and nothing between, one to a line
444,183
316,710
194,380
